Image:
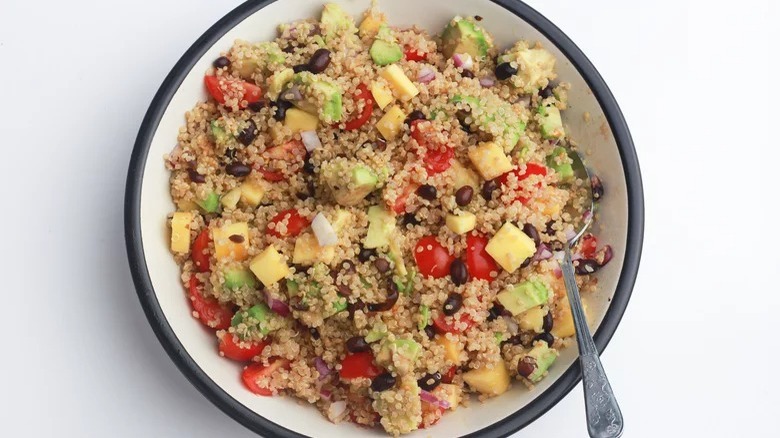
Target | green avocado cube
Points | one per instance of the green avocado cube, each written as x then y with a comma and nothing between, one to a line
236,278
560,162
544,356
526,295
464,36
381,225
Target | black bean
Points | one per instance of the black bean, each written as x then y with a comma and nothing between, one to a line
302,196
315,334
319,61
392,298
236,238
357,344
430,332
430,381
414,115
311,188
462,115
488,188
248,134
547,322
260,104
427,192
597,186
347,267
281,109
196,177
308,167
513,340
410,219
221,62
238,169
354,307
505,71
526,366
365,254
288,49
467,74
301,68
478,17
549,228
459,273
452,304
586,266
382,265
546,92
526,262
463,195
546,337
495,312
383,382
531,232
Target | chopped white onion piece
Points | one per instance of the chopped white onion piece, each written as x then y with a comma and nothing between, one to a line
336,410
310,140
463,60
324,231
487,82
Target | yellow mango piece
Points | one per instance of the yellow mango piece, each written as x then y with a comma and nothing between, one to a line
452,350
464,176
490,160
187,205
231,198
489,381
402,87
391,124
252,193
298,120
510,246
180,232
382,95
370,25
563,322
462,223
308,251
532,319
269,266
450,393
224,248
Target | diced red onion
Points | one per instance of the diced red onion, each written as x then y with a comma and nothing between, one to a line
543,253
487,82
463,60
336,410
325,394
277,306
425,75
324,231
511,325
432,399
310,140
322,368
570,234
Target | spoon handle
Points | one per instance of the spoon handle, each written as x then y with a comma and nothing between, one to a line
601,408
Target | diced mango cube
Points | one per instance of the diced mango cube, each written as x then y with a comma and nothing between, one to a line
235,248
563,323
308,251
451,393
452,350
391,124
532,320
490,160
402,87
464,176
462,223
382,95
252,193
269,266
489,381
230,199
510,246
298,120
180,232
370,25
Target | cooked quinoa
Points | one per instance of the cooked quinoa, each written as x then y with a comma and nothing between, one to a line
370,217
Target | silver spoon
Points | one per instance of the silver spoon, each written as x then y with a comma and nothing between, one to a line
601,408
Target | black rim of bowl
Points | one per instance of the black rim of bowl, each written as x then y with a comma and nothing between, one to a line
263,426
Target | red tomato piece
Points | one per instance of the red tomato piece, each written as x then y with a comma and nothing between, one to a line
434,261
291,152
256,371
368,108
446,324
479,262
400,202
530,169
357,365
449,375
589,245
424,133
295,223
210,312
271,175
437,161
200,255
251,92
229,348
413,54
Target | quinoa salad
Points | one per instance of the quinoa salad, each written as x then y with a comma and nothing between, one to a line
370,218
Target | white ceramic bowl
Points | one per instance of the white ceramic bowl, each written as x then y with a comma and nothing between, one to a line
192,347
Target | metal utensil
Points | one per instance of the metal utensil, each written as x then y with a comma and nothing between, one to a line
601,408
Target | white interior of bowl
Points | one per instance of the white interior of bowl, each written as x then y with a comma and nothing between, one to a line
595,136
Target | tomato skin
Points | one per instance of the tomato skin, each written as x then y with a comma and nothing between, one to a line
478,261
200,255
449,375
368,108
589,245
210,312
293,151
434,262
295,223
271,175
422,133
252,93
399,207
530,169
437,161
254,371
230,349
413,54
357,365
443,324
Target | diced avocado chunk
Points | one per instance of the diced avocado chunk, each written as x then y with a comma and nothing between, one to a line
399,354
400,421
279,81
463,35
535,66
349,181
219,133
257,319
385,49
544,356
526,295
381,225
292,287
236,278
398,258
550,122
406,283
560,162
510,127
425,317
316,89
247,57
335,21
339,306
377,332
210,203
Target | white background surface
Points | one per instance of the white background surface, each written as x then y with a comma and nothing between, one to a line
695,355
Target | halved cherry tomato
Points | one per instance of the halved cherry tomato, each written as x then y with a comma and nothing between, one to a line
479,262
449,374
437,161
434,261
446,324
254,372
251,92
423,133
413,54
210,312
200,255
589,245
399,206
368,108
357,365
295,223
291,152
530,169
229,348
